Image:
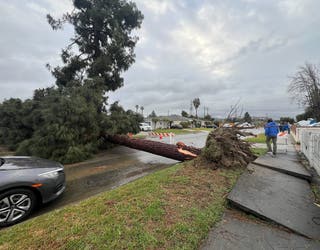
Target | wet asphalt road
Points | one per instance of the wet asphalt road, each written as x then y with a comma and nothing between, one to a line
113,168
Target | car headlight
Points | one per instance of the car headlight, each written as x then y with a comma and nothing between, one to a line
51,174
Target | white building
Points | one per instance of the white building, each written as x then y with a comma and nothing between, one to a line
164,122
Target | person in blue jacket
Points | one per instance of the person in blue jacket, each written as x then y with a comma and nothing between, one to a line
286,127
271,130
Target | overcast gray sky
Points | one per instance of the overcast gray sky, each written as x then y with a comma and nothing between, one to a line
218,50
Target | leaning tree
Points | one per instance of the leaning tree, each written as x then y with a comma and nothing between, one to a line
304,88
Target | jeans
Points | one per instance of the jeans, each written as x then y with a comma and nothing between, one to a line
274,142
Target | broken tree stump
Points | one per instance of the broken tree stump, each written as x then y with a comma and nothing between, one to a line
224,148
158,148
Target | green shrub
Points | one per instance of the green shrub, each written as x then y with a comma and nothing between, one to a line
185,124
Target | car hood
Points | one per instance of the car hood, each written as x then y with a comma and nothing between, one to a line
17,162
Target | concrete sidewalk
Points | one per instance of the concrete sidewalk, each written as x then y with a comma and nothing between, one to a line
275,190
237,231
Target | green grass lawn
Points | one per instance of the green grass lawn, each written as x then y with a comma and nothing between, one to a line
175,131
261,138
170,209
182,131
202,129
259,151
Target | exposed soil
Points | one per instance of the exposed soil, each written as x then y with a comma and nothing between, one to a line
224,148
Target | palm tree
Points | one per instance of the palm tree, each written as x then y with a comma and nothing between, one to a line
196,104
137,107
142,108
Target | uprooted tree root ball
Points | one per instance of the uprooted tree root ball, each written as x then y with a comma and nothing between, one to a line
224,148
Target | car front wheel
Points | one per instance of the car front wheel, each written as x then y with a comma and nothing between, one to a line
16,205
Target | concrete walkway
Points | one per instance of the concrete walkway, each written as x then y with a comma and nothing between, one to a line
239,233
285,163
276,190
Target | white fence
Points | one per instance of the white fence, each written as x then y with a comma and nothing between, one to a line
309,139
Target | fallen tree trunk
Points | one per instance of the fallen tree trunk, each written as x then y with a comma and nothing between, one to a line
158,148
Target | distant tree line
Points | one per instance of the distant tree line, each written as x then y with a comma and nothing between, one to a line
65,122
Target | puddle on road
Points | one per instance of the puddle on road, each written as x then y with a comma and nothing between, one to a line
106,171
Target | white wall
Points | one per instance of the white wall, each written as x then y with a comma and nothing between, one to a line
309,139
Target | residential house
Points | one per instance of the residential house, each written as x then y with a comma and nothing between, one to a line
164,122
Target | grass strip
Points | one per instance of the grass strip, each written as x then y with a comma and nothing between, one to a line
175,131
260,138
259,151
202,129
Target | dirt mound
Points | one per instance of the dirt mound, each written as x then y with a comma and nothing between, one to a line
225,149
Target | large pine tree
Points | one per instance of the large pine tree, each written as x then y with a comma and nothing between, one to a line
66,122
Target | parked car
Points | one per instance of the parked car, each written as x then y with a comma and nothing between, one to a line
176,126
26,182
145,126
211,125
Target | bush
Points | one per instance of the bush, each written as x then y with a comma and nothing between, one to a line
185,124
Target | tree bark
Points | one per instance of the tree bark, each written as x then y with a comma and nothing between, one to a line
158,148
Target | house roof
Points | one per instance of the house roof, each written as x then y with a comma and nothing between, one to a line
171,118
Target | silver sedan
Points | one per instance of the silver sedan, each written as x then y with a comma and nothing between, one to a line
26,182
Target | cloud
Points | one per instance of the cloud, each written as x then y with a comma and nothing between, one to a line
156,7
37,8
297,8
148,63
219,51
27,44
